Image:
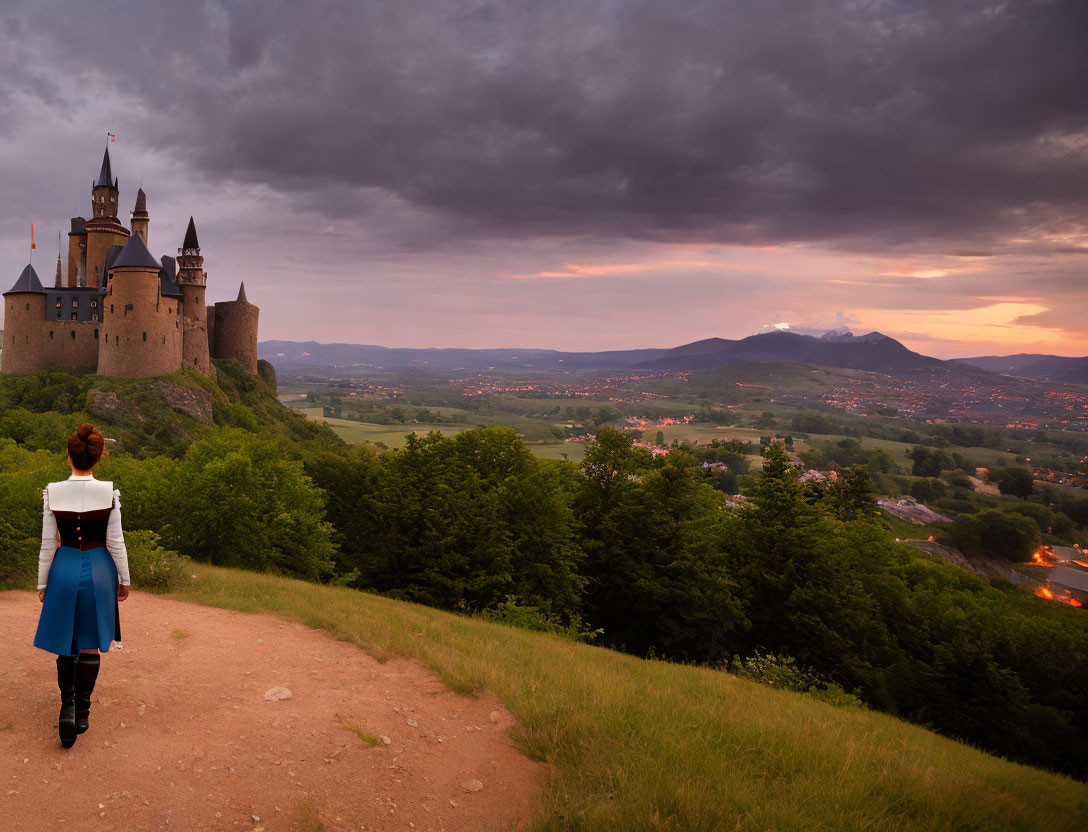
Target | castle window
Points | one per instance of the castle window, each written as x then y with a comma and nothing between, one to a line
28,307
94,317
58,303
145,336
101,199
164,339
113,199
75,302
116,339
111,308
75,317
96,333
73,335
50,333
94,303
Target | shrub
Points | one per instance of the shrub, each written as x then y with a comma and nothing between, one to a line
527,617
781,671
18,558
152,567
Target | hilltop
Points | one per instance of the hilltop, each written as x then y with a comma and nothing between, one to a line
148,416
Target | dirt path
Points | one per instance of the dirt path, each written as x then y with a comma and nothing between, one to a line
182,738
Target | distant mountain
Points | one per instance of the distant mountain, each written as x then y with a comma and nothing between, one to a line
838,348
1029,365
293,354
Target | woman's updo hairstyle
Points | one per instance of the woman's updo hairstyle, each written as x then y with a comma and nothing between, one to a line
85,447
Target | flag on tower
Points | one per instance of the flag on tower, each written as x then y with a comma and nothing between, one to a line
32,245
113,138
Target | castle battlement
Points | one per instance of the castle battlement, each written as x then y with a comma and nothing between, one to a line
120,311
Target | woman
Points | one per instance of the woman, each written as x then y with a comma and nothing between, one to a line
82,575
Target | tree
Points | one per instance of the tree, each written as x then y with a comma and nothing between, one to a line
239,502
851,495
996,534
765,420
928,462
1014,482
653,537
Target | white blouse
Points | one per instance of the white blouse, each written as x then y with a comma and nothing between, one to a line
81,493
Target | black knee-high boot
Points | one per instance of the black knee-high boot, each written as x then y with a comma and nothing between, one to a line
66,680
86,673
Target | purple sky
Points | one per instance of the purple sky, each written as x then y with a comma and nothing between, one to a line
560,174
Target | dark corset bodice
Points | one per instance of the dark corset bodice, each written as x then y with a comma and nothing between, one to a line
83,529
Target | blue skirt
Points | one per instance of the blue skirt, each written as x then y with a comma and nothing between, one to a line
80,606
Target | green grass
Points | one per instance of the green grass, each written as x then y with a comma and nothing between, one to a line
635,744
574,451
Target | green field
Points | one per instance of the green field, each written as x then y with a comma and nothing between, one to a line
392,436
645,745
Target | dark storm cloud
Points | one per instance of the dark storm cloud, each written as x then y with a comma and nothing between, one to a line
947,124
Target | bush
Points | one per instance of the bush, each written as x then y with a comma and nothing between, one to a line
781,671
527,617
18,558
152,567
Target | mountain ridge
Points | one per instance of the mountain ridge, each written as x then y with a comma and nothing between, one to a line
836,348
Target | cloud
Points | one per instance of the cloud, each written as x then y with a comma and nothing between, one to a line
432,171
880,123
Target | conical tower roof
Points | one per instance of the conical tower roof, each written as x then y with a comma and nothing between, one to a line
135,254
141,201
242,291
190,237
27,282
105,176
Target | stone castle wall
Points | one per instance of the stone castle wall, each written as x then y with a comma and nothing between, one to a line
141,331
33,343
99,243
195,346
236,333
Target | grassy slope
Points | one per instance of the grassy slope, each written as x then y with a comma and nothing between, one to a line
636,744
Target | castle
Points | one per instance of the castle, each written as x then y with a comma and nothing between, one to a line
120,311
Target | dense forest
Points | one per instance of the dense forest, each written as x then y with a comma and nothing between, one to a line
639,552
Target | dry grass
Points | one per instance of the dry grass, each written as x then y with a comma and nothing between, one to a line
362,734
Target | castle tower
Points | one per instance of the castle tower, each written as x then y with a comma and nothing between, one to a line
24,322
103,229
77,253
193,280
141,328
235,331
104,190
139,216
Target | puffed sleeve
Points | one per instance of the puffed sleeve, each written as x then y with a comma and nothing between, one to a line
50,541
115,540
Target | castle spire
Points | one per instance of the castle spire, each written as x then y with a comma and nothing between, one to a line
139,217
105,176
56,284
242,291
190,241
